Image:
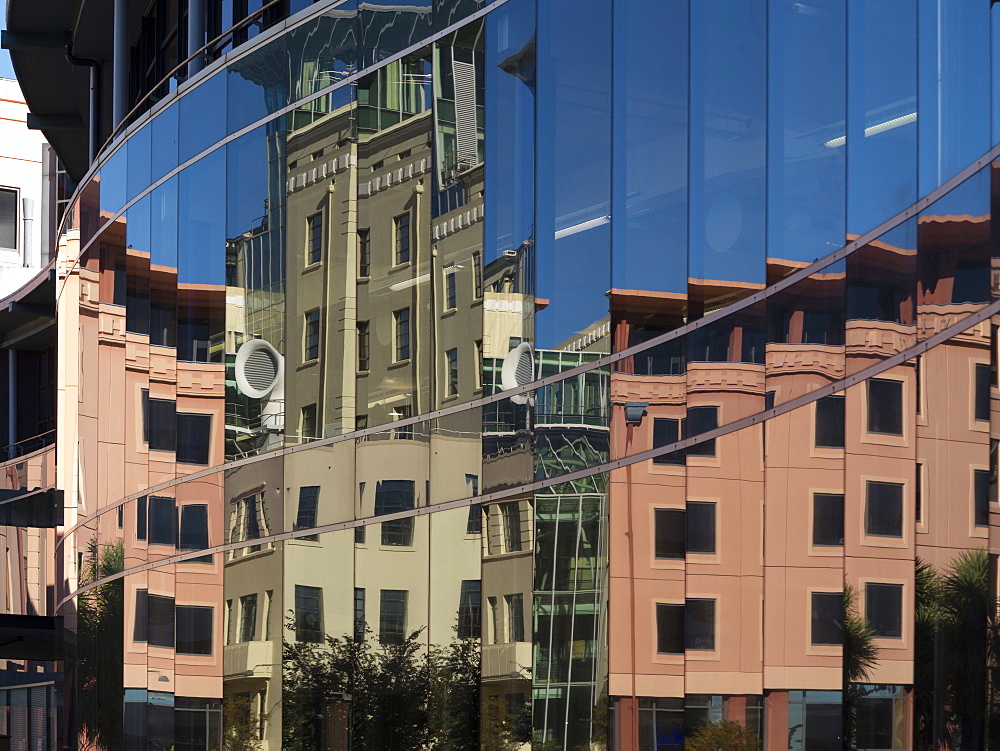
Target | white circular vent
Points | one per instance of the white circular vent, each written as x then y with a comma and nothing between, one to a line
258,368
518,369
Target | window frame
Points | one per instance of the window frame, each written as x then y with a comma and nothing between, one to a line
402,238
314,238
400,334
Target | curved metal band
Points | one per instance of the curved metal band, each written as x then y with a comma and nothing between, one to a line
873,370
605,361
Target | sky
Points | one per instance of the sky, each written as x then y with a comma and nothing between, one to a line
6,70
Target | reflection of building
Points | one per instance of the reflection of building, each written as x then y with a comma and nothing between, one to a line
295,277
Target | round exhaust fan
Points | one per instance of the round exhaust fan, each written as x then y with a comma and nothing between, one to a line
259,368
518,369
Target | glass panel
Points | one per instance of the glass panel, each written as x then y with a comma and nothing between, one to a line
139,161
202,117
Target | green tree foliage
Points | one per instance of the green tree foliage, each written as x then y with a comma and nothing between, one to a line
726,735
100,644
860,657
241,724
956,649
402,696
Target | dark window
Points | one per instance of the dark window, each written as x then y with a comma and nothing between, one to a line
477,275
827,617
137,310
309,421
359,614
248,617
884,609
359,535
194,527
510,516
251,517
392,616
311,341
160,611
699,624
470,606
884,509
981,496
401,224
828,519
140,518
159,425
918,494
885,406
877,724
364,253
669,629
315,238
982,392
701,420
364,345
393,496
140,631
194,432
452,357
972,280
669,524
162,521
515,617
830,422
450,290
8,218
700,527
308,613
308,502
401,319
194,630
667,430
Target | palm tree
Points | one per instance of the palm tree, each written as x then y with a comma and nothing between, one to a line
860,657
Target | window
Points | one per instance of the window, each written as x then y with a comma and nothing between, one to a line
364,253
701,420
251,517
478,374
194,432
315,253
918,494
140,517
308,418
884,509
393,496
230,622
194,527
140,631
364,345
160,624
450,289
982,401
401,225
159,425
311,341
515,617
248,617
194,630
669,629
700,527
359,614
470,609
669,524
477,275
494,620
884,609
828,520
699,624
981,497
830,422
308,502
359,535
402,328
8,218
885,406
510,515
474,525
308,613
162,521
667,430
827,618
392,616
404,433
452,358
